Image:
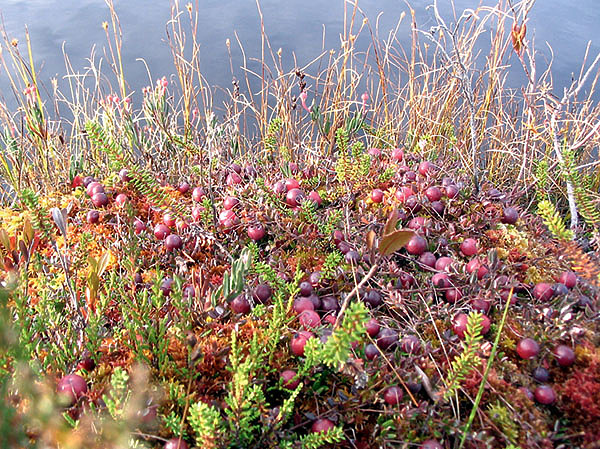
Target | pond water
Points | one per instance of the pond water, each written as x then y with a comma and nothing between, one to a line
295,27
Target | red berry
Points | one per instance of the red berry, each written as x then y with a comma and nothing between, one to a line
183,188
310,318
291,184
568,278
440,280
451,191
510,215
544,394
314,195
93,216
169,219
453,294
425,168
262,293
565,356
240,304
121,199
289,379
428,259
76,182
124,175
469,247
197,194
417,245
173,241
256,232
161,231
322,425
233,179
230,202
543,291
393,395
377,195
302,304
94,187
138,226
294,197
397,154
175,443
100,199
373,327
72,387
404,193
443,263
459,324
433,193
431,444
528,348
299,341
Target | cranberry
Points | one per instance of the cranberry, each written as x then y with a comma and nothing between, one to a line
291,184
440,280
301,304
451,191
310,318
306,288
172,242
256,232
262,293
230,202
183,188
322,425
387,338
93,216
373,327
99,199
544,394
175,443
377,195
299,341
198,194
453,294
469,247
528,348
417,245
314,196
294,197
240,304
397,154
289,379
431,444
72,387
510,215
433,194
425,168
428,259
371,351
233,179
568,278
410,344
543,291
121,199
161,231
443,263
393,395
565,356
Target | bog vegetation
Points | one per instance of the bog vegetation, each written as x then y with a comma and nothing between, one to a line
387,248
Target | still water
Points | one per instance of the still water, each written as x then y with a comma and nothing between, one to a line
300,28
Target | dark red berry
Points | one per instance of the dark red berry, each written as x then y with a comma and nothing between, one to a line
544,394
322,425
417,245
240,304
565,356
568,278
393,395
528,348
289,379
543,291
510,215
175,443
71,388
469,247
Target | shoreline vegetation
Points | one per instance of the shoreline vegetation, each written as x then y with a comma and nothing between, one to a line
385,249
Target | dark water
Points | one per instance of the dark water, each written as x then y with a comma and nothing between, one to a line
294,26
